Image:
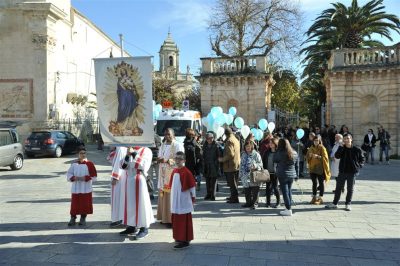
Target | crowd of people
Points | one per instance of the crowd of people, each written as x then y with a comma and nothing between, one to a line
323,152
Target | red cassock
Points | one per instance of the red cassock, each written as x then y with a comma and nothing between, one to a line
183,192
81,198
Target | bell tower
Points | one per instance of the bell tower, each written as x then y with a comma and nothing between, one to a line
169,58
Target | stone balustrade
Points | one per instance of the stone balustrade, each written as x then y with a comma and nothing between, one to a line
234,65
384,56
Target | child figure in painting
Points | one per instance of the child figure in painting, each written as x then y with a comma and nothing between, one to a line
183,194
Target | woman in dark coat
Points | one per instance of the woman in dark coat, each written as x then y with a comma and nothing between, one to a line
193,155
286,158
211,165
268,163
369,145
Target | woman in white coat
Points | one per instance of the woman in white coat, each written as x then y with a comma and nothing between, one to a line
334,163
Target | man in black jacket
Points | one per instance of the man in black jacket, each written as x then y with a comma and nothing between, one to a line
351,160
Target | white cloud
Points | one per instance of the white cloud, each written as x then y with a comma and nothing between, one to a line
189,16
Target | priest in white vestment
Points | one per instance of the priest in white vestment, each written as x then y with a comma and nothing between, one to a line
166,155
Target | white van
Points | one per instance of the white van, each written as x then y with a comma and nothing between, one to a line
179,121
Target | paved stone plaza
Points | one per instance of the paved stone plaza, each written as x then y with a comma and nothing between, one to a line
34,211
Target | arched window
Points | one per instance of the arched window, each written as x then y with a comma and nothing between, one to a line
171,61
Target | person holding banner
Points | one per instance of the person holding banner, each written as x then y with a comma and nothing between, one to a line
135,201
166,160
118,179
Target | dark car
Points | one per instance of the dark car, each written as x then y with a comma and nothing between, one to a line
11,151
52,142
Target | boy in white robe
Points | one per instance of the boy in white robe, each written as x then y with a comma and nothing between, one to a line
81,174
135,202
183,194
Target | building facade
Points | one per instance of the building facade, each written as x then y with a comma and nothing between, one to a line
242,82
363,91
46,52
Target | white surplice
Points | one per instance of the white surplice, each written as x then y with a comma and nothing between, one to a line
118,174
135,205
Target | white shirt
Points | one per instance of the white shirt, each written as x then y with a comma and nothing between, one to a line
181,201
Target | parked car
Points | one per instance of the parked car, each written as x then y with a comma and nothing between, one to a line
52,142
11,151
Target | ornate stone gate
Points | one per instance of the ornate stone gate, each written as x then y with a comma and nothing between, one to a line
243,82
363,91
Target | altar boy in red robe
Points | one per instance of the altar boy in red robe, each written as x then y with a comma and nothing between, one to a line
81,174
183,194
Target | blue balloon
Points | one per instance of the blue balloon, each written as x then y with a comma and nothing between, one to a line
259,134
158,107
263,124
229,119
239,122
254,131
232,110
216,111
210,119
300,133
156,115
220,119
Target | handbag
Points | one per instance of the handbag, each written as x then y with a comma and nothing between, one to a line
259,176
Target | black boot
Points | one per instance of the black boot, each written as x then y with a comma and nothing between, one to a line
254,197
82,221
208,183
72,221
247,196
213,185
278,199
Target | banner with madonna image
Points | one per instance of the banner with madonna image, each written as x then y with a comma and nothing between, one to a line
124,100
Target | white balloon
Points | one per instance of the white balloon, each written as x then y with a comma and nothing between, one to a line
271,126
220,132
245,131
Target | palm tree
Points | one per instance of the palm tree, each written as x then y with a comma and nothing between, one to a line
343,27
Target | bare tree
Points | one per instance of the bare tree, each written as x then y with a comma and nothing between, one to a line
245,27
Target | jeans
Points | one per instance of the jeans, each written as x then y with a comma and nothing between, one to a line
384,149
340,181
370,153
286,187
299,166
232,178
272,185
320,179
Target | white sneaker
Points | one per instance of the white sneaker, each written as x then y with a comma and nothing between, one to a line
331,206
286,212
348,207
387,162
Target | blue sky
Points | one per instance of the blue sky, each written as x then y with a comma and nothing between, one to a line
145,23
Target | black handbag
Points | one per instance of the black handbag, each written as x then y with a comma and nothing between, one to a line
260,176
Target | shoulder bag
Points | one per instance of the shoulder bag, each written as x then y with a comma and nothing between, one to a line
260,176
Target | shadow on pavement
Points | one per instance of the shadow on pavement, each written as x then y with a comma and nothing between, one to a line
86,249
6,177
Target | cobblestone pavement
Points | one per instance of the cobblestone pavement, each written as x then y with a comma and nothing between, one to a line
34,210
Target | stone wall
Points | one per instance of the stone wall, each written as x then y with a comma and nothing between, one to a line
240,82
363,91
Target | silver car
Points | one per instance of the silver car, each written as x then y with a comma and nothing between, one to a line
11,151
